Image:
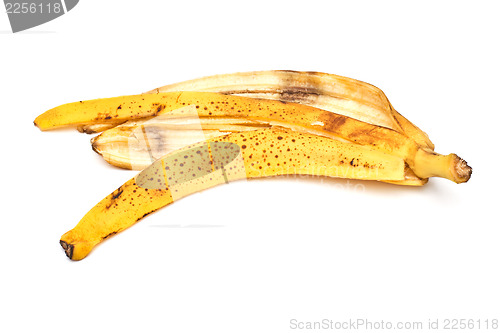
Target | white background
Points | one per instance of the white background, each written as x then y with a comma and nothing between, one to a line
251,256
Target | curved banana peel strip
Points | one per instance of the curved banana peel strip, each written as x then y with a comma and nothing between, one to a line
276,113
339,94
252,154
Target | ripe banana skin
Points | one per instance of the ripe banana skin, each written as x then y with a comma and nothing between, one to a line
339,94
136,144
251,154
201,133
342,95
421,160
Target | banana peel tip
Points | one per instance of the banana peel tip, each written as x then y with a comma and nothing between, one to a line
461,170
68,249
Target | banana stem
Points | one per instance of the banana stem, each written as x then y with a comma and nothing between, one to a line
428,163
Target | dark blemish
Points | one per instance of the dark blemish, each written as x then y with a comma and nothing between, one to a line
143,216
116,195
160,108
244,146
68,248
119,107
333,121
109,235
280,138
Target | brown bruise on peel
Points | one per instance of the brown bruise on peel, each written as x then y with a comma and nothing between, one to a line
307,92
380,138
332,122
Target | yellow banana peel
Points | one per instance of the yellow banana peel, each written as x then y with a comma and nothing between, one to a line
197,134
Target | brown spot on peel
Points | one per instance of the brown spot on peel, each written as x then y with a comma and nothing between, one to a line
333,122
